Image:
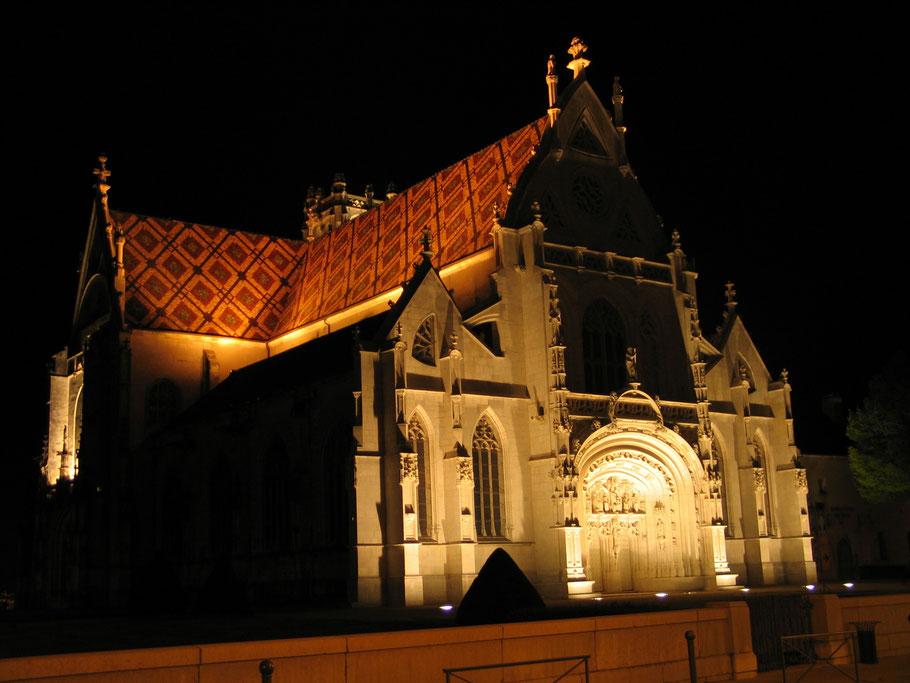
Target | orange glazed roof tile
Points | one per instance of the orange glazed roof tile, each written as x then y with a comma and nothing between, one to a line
195,278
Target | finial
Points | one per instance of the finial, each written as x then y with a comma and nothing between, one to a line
577,49
730,293
453,340
391,190
552,80
103,186
675,237
102,173
617,104
785,376
535,211
427,238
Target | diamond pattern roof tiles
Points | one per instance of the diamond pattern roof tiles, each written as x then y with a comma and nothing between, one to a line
196,278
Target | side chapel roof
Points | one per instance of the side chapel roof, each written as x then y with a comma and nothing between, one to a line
187,277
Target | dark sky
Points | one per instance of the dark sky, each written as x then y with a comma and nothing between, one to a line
763,138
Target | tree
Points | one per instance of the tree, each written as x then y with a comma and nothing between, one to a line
880,432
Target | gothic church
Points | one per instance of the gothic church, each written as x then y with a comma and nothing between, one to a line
507,354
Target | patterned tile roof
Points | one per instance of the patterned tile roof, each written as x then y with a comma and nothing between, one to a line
196,278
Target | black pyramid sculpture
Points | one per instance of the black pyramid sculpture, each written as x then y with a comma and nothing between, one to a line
501,592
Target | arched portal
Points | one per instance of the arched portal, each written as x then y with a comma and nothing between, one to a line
640,511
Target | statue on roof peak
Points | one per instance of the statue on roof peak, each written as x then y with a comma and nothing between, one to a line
577,48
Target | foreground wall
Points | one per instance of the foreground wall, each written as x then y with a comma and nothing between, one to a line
633,647
892,634
630,647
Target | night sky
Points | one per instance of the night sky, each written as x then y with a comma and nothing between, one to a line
765,140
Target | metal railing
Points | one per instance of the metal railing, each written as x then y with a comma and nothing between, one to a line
454,674
804,647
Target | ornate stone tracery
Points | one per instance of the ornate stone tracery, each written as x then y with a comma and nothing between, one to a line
424,347
408,470
465,471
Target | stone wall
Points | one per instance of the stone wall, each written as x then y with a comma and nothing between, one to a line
632,647
892,634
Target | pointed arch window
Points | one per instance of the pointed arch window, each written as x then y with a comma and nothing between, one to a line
717,454
584,140
604,348
743,375
761,461
424,346
336,487
420,444
488,481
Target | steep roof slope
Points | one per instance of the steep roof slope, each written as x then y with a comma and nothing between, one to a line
196,278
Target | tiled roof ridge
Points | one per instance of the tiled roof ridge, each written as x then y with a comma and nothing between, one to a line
115,212
412,205
295,239
198,278
481,150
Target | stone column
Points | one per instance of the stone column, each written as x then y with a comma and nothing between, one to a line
715,544
413,580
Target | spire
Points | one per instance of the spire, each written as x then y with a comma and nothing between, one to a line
552,79
619,123
339,185
103,188
115,237
730,293
617,104
577,49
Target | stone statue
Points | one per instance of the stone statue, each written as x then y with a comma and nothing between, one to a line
632,364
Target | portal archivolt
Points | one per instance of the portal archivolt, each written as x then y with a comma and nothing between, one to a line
639,519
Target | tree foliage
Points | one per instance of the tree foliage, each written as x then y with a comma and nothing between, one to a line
880,432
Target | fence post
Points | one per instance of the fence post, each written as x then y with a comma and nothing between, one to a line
690,646
266,669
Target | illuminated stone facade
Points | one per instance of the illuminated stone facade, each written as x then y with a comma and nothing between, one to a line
506,355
